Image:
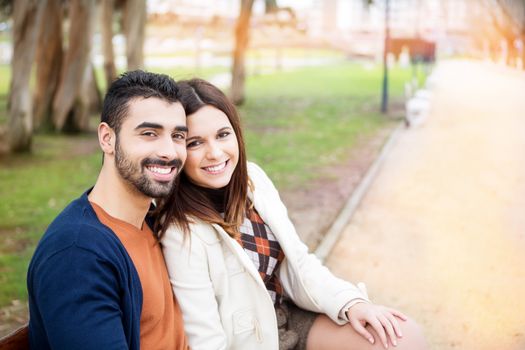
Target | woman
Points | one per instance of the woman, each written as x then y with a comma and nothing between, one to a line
241,274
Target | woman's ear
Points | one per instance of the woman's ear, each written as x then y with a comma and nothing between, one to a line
106,138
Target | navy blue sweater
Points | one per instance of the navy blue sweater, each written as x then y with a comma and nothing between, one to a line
84,291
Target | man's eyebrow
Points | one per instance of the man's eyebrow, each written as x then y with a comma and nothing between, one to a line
181,128
148,125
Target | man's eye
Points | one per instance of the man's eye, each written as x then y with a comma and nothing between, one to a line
179,136
149,133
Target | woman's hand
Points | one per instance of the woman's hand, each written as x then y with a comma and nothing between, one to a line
384,320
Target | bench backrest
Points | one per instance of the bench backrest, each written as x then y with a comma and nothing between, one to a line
18,340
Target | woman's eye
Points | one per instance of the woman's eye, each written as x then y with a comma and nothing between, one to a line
193,144
223,134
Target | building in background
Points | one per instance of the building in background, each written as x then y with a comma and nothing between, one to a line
205,28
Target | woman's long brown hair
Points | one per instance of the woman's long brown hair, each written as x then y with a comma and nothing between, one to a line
186,200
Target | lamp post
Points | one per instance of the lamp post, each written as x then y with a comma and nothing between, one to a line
384,95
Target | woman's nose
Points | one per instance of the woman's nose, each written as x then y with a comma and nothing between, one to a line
214,151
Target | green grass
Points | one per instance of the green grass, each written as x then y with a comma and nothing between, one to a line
5,78
34,189
294,53
300,121
296,123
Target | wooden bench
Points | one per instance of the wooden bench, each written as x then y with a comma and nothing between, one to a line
17,340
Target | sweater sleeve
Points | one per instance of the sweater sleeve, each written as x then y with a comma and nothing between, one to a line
75,294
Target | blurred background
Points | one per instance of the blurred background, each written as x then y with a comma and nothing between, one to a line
320,85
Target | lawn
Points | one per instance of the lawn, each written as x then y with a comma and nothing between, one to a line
5,78
296,122
300,121
34,188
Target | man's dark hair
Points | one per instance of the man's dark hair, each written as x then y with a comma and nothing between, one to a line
131,85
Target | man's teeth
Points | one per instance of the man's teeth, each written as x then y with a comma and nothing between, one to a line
216,167
157,170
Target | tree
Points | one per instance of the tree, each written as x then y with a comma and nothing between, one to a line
513,12
49,57
107,12
241,43
508,19
270,6
134,19
384,90
27,15
70,107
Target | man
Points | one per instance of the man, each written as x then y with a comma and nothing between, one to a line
97,279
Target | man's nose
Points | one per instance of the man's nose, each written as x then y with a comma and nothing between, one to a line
167,149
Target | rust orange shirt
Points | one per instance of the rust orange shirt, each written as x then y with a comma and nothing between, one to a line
161,325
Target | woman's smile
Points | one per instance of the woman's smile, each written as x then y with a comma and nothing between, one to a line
216,169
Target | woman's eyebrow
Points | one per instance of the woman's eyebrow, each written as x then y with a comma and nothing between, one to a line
196,137
224,128
193,138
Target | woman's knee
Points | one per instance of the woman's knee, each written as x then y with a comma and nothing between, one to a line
413,336
325,334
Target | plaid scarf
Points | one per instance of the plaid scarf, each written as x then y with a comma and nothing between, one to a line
264,250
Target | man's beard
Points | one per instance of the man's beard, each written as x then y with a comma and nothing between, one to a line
135,175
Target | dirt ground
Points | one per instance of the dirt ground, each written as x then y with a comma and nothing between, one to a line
441,232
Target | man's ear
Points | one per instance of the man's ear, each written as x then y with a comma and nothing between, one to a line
106,138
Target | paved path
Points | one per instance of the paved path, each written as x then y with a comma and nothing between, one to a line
441,233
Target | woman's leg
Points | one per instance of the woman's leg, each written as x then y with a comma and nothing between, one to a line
325,334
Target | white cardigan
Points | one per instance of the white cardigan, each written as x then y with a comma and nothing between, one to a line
224,302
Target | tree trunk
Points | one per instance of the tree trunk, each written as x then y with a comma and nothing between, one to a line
241,43
88,100
270,6
134,31
93,91
67,98
49,56
110,71
523,51
27,15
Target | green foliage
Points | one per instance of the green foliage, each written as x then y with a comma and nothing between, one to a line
6,9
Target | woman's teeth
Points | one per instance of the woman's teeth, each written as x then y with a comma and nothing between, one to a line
215,167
